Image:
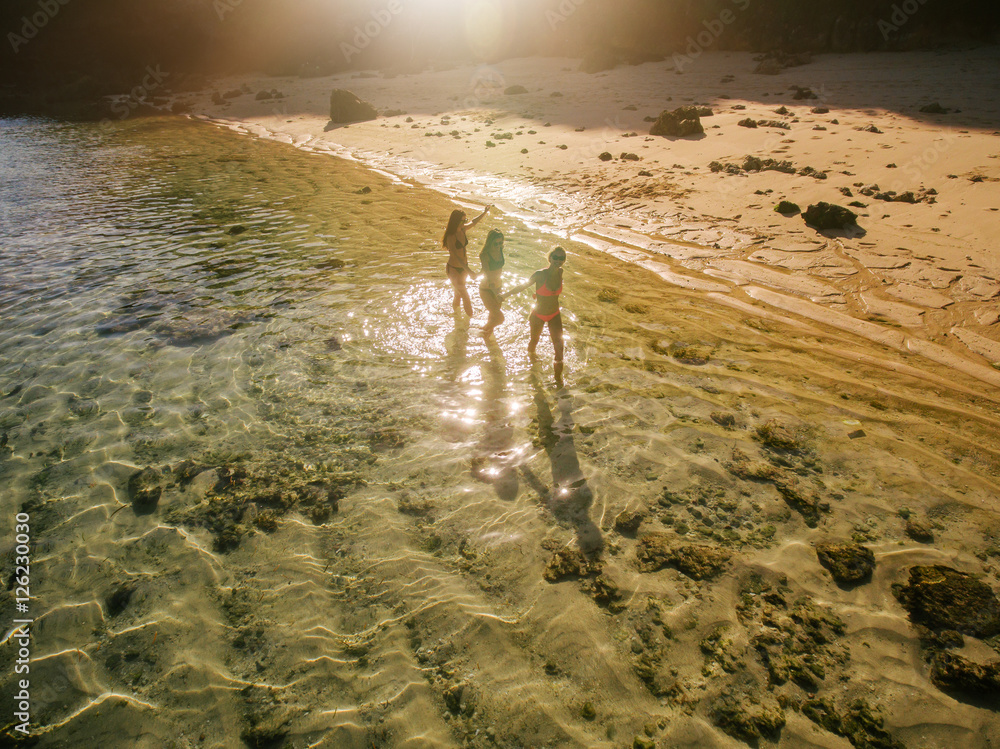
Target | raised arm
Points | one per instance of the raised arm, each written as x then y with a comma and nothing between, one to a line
478,218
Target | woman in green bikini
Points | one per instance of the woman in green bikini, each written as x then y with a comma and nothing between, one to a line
548,286
490,287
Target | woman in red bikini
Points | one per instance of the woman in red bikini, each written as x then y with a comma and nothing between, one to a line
548,286
455,241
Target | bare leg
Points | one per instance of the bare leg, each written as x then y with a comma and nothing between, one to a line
556,333
536,326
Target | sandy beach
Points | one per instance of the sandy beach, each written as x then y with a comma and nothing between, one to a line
922,274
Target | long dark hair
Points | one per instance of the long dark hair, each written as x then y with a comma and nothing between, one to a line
494,237
453,223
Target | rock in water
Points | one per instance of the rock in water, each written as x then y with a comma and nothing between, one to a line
628,521
346,107
934,108
953,673
679,123
698,562
940,598
144,489
826,216
849,564
515,90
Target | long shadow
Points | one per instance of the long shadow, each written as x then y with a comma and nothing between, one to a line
493,461
570,498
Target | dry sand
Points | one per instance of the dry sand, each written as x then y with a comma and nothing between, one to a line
925,274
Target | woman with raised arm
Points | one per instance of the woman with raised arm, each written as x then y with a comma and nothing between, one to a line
492,284
455,241
548,286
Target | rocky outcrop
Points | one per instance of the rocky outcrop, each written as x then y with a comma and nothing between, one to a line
826,216
850,564
681,122
345,107
942,598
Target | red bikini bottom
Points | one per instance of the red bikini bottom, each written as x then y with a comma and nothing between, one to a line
546,318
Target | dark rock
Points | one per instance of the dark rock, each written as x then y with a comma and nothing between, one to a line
643,742
953,673
587,712
217,98
825,216
655,551
628,521
185,472
515,90
859,723
144,489
263,96
629,157
605,593
869,129
934,108
118,599
748,720
803,93
748,122
346,107
454,698
940,597
919,531
820,110
680,123
849,564
605,156
787,208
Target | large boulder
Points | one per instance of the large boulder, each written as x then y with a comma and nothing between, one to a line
825,216
849,564
346,107
679,123
942,598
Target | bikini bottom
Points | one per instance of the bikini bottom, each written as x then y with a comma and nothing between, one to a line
546,318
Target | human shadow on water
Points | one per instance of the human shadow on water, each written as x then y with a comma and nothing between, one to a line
493,462
570,498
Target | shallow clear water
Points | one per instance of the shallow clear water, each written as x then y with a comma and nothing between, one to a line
356,556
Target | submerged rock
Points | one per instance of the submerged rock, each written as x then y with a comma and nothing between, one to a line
953,673
347,107
118,599
679,123
934,108
515,90
940,597
699,562
825,216
566,563
919,531
628,521
144,489
849,564
859,723
748,720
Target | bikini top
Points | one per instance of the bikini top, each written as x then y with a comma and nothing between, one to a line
544,290
459,244
489,263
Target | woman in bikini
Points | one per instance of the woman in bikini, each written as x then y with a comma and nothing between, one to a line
548,286
455,241
489,288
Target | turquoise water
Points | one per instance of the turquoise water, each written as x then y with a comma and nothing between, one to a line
353,499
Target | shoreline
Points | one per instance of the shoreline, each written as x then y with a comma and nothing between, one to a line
918,277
